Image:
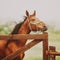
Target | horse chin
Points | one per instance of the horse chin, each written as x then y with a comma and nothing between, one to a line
44,29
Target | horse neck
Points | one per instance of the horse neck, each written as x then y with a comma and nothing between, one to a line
24,28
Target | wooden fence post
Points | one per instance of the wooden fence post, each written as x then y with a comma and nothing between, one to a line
45,47
53,49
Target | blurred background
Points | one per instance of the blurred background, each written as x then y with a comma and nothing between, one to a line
12,12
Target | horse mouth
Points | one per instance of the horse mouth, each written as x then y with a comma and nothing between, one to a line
44,29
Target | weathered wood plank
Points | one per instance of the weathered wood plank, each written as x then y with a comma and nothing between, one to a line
24,36
45,48
52,49
54,53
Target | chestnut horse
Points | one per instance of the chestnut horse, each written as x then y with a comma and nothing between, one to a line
30,23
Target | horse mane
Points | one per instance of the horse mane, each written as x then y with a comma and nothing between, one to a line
17,27
15,31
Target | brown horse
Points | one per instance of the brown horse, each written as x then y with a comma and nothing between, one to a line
30,23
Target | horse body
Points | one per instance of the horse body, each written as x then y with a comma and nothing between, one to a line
13,46
30,23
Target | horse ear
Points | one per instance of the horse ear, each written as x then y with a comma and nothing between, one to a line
27,13
34,14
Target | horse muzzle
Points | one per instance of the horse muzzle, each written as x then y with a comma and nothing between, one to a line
42,29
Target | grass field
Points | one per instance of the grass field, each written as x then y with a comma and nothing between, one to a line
35,53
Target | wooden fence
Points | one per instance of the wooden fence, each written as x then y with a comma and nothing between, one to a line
49,53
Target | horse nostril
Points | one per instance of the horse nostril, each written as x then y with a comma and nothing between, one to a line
44,26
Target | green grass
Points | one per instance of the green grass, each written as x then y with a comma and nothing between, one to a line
33,58
54,36
57,58
38,58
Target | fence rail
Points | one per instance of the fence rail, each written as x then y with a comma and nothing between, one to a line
24,36
49,52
